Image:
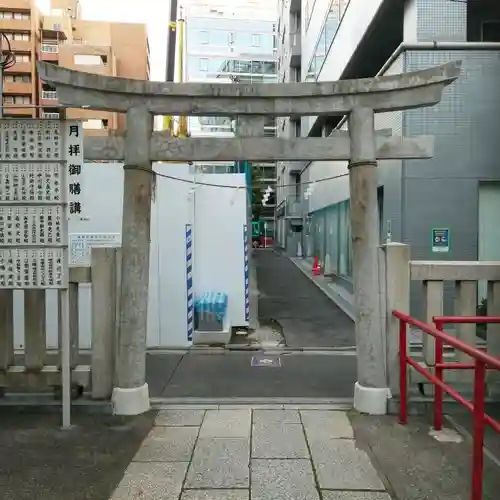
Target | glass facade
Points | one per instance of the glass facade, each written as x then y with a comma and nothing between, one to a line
253,71
229,50
328,232
327,34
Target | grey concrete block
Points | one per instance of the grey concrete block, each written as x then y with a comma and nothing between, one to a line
179,418
340,465
215,495
323,424
226,424
151,481
283,480
355,495
168,444
279,441
220,463
266,417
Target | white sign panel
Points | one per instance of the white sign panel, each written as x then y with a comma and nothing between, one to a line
37,226
81,244
74,158
34,188
31,140
31,182
32,268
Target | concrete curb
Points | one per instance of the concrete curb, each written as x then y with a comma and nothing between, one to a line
283,403
341,304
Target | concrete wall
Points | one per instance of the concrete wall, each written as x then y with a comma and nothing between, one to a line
420,195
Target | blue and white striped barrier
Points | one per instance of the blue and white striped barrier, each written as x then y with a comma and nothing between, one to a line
247,283
189,281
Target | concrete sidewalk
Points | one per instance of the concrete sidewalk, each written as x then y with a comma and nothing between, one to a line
238,454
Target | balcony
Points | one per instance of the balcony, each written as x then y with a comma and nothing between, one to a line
18,88
15,25
293,207
48,98
49,52
20,45
296,167
49,95
19,67
13,110
51,116
295,49
295,6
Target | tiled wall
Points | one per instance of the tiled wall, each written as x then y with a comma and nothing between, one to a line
441,20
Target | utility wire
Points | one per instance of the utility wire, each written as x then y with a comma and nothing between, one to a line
198,183
7,57
7,60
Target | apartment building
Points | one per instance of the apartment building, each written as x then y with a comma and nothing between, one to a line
459,189
232,42
62,37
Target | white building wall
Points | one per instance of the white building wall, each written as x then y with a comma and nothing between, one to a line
311,30
358,16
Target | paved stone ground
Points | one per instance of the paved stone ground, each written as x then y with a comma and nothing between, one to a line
230,374
417,466
238,454
308,317
39,461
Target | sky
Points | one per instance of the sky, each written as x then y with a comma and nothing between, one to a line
154,13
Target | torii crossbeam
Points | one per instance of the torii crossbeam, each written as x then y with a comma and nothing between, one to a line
359,99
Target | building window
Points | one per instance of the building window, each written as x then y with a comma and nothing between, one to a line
22,99
25,37
203,64
203,37
490,31
17,78
256,42
23,58
17,99
95,124
14,15
18,36
90,60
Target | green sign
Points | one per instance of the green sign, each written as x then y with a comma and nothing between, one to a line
440,240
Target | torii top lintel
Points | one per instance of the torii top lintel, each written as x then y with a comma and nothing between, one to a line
382,93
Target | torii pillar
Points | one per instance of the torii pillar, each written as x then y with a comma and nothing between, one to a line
359,99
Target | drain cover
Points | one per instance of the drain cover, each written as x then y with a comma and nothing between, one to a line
270,361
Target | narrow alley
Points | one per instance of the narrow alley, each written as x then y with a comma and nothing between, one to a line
305,365
308,318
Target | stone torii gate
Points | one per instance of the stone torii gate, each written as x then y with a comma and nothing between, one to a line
251,103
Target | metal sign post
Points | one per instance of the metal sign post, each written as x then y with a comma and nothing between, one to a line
34,190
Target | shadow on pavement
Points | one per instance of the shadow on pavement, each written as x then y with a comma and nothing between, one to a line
39,461
415,465
230,375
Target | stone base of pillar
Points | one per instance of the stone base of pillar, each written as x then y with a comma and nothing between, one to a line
371,400
134,401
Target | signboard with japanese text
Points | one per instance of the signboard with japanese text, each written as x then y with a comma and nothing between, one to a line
74,158
34,190
81,244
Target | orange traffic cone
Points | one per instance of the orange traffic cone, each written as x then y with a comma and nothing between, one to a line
316,269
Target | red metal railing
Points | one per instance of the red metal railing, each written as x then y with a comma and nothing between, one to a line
482,362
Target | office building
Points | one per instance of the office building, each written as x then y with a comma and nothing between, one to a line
231,42
458,189
62,37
